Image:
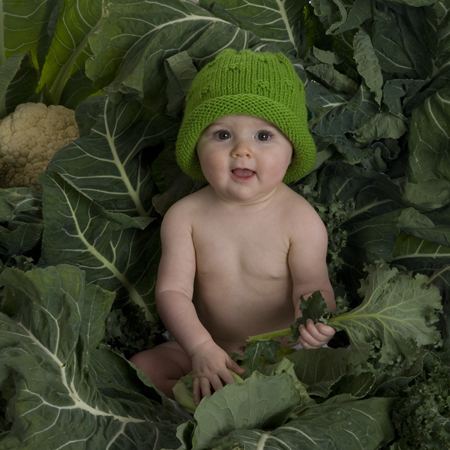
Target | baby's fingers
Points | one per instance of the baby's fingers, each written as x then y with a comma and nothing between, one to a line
312,335
326,330
235,367
202,386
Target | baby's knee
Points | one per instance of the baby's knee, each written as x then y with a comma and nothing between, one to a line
164,366
144,360
164,361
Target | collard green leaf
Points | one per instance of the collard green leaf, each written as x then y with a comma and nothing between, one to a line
259,402
255,350
272,21
46,347
19,237
398,92
429,194
383,125
433,226
180,74
322,101
398,38
397,309
110,164
17,201
69,50
136,38
429,141
332,14
428,184
18,81
358,12
319,369
21,223
367,62
224,35
331,77
284,365
371,239
420,255
118,253
173,184
30,22
351,425
347,116
314,308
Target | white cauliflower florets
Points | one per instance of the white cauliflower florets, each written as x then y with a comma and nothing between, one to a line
29,137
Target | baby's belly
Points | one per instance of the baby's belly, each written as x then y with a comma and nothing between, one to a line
233,310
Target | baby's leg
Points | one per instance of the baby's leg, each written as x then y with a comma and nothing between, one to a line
164,364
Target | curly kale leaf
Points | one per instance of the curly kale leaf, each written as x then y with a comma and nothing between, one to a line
422,415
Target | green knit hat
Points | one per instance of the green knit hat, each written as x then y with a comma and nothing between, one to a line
263,85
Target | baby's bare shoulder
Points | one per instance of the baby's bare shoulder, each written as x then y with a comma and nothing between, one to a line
300,216
298,205
187,207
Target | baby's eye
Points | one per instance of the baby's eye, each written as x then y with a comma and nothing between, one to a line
222,135
264,135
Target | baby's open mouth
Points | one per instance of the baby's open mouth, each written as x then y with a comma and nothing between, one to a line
244,173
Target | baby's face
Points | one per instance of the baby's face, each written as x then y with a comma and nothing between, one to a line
244,158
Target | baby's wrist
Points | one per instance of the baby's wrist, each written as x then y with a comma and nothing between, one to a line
200,346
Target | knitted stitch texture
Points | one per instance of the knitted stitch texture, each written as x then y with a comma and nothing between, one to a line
263,85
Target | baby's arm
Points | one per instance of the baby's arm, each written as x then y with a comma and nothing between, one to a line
307,262
174,292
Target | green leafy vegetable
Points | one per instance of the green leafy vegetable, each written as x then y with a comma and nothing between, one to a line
116,250
111,163
65,390
422,414
396,309
341,426
376,75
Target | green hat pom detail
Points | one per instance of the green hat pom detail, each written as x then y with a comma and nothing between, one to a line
263,85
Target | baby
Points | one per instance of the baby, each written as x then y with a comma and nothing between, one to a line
238,254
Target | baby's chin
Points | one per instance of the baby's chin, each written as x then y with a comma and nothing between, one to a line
245,195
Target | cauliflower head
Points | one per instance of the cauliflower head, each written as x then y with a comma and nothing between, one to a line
29,137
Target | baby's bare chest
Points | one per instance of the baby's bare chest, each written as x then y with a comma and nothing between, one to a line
256,250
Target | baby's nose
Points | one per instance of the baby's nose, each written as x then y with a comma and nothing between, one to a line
242,150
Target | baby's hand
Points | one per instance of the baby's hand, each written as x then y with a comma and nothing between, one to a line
315,335
210,365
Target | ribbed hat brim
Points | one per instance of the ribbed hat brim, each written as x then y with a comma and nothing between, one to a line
251,105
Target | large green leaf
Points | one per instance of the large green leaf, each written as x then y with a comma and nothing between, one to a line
343,115
18,81
362,424
259,402
173,184
21,220
319,369
397,309
111,164
367,61
25,27
136,38
429,144
424,243
17,201
274,21
429,141
69,50
417,254
61,399
118,253
398,38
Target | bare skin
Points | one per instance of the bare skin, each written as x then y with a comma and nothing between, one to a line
237,257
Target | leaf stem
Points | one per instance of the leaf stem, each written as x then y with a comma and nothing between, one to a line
271,335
